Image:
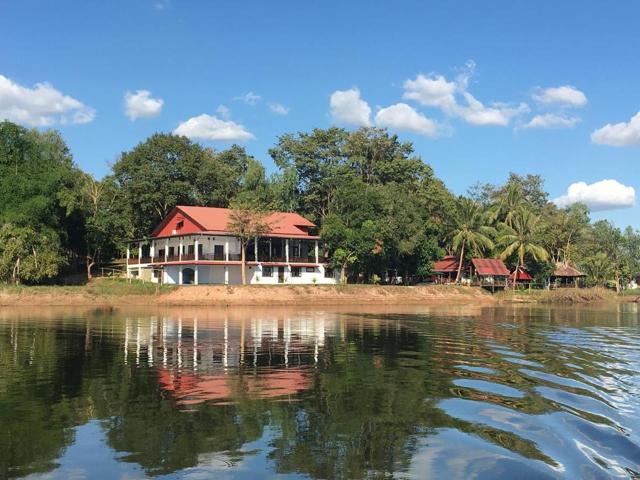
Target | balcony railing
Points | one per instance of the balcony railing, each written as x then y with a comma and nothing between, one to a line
302,259
218,257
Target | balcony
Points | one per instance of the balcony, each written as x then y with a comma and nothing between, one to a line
302,259
217,257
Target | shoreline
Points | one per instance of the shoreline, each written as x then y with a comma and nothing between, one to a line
238,295
117,293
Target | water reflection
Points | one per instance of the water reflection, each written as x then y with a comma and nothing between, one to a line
251,393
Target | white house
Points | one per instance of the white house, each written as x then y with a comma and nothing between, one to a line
193,246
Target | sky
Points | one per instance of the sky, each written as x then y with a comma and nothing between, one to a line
480,88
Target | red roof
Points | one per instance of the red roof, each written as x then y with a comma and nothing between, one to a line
215,220
490,266
523,275
446,265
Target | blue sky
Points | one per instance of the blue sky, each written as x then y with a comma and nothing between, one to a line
480,88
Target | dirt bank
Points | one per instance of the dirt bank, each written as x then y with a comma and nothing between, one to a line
245,295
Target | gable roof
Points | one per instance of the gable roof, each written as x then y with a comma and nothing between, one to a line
490,266
447,265
216,220
523,275
566,270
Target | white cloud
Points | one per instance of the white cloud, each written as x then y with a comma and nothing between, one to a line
347,107
223,111
249,98
404,118
619,134
602,195
209,127
564,95
551,120
40,106
454,99
141,105
279,109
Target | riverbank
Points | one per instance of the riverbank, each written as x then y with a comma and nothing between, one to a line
561,296
116,292
120,292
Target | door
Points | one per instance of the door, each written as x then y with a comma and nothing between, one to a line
280,274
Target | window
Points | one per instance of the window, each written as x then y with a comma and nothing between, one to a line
161,253
267,271
172,251
329,273
310,269
191,249
179,224
156,273
218,252
296,271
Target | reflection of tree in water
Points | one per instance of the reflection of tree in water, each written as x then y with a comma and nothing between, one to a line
354,400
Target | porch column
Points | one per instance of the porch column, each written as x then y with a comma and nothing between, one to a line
226,275
196,248
195,275
317,256
180,251
286,249
226,254
139,260
128,256
153,249
179,274
166,249
255,248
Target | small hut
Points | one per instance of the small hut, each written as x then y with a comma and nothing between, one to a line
566,275
521,277
446,270
489,272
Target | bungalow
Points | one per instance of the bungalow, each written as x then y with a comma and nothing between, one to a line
489,272
446,270
523,277
566,275
193,245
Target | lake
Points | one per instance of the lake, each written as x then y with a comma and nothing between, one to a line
440,392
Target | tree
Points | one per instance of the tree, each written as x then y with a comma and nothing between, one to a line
469,230
168,170
247,222
510,201
27,255
103,223
520,239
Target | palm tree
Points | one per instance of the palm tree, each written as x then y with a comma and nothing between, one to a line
469,231
520,238
510,203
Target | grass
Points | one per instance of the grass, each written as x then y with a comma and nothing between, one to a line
560,295
97,287
632,292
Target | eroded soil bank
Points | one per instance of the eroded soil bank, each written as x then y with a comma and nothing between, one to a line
246,295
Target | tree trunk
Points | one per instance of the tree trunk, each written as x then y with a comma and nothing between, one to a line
515,278
243,262
460,264
90,264
343,274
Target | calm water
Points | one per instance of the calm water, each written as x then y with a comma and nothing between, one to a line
270,393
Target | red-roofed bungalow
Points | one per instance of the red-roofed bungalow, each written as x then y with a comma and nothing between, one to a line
489,272
446,270
521,278
193,245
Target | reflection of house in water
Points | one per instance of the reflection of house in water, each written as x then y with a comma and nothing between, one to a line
228,358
